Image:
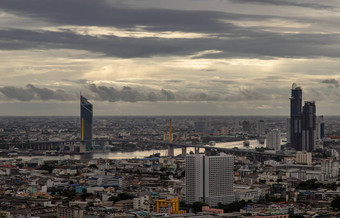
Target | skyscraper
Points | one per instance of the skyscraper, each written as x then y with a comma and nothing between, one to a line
86,117
309,126
209,179
296,118
320,128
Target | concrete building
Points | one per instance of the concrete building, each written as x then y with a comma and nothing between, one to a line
260,128
69,212
330,169
143,203
101,180
209,179
320,128
274,140
303,157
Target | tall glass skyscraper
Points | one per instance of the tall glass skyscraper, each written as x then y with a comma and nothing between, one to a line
309,126
296,118
86,117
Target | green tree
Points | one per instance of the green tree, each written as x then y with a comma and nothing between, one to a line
197,206
336,202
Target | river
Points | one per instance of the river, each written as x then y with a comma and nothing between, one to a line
135,154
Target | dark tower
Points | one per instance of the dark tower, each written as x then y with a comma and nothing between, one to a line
296,118
309,126
86,117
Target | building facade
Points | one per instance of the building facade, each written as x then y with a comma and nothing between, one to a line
303,157
209,179
309,126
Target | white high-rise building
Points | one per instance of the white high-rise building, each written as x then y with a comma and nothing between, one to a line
260,128
209,179
274,140
303,157
330,169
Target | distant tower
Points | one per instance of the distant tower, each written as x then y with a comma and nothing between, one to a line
260,128
246,126
320,128
209,179
309,126
296,118
86,117
274,140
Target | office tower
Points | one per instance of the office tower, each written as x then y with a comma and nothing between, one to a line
320,128
303,157
260,128
86,117
274,140
246,126
308,126
296,118
209,179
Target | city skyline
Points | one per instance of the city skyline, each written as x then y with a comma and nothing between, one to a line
155,57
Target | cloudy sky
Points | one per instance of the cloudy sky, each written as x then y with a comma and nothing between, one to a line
168,57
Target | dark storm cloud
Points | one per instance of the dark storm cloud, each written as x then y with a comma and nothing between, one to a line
285,3
332,82
30,92
126,94
255,44
100,13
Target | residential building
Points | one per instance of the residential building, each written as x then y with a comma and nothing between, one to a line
303,157
209,179
274,140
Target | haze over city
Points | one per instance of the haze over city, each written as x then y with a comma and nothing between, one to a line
158,57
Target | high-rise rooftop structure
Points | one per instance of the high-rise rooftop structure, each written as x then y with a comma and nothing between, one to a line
209,179
309,126
86,117
296,118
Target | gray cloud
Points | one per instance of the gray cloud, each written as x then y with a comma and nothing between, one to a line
100,13
333,82
256,44
126,94
285,3
30,93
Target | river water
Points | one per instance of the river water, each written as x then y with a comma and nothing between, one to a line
137,154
